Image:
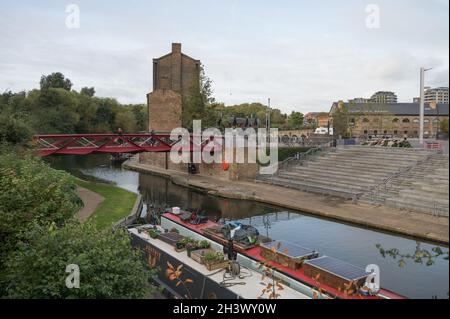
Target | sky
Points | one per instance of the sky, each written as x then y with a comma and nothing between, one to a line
304,55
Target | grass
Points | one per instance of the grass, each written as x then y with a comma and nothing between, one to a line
118,203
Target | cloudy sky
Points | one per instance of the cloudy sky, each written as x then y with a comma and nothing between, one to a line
302,54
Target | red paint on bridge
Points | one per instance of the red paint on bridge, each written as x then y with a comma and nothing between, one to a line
84,144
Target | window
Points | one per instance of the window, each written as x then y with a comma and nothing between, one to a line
395,120
366,120
385,132
375,132
365,132
416,121
426,121
395,132
406,132
435,121
406,121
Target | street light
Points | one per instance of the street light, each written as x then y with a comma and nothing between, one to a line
422,102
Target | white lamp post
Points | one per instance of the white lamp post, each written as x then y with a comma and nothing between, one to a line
422,103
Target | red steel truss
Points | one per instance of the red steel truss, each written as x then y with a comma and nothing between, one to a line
84,144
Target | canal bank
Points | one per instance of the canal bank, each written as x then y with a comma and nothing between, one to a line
104,204
420,226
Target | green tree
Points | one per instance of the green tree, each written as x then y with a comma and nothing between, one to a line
340,121
55,80
199,99
109,267
126,121
88,91
55,111
295,121
444,126
12,130
140,116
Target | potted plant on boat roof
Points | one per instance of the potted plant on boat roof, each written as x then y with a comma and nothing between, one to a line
153,233
214,260
185,243
204,244
190,244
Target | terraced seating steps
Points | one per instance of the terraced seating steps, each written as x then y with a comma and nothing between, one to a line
347,171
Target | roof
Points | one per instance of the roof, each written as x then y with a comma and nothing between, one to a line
169,54
403,109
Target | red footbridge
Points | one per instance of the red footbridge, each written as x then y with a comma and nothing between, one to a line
85,144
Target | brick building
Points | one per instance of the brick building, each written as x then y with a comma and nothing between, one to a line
318,119
396,119
174,76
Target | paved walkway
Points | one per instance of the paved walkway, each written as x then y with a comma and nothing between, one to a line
417,225
90,200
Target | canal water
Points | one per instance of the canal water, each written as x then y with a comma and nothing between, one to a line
353,244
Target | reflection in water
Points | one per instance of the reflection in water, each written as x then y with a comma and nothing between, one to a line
352,244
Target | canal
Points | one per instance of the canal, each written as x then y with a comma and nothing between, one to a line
353,244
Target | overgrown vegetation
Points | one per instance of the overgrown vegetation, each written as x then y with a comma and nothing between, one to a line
108,267
39,238
31,193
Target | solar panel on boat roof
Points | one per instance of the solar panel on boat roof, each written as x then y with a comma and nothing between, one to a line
288,248
338,268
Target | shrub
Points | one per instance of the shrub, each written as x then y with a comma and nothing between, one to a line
109,267
31,192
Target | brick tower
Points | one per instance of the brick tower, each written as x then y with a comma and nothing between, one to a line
174,75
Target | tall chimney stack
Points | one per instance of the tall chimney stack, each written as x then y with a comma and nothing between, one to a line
176,47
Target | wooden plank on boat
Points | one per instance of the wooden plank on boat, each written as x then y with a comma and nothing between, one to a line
286,253
335,273
198,254
171,238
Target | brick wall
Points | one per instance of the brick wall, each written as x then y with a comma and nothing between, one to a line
165,109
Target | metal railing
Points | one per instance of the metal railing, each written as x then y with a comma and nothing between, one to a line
300,158
383,187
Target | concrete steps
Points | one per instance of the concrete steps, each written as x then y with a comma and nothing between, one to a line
425,188
356,171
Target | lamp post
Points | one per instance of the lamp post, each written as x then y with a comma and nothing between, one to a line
268,120
422,103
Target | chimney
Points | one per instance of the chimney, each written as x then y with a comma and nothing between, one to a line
176,47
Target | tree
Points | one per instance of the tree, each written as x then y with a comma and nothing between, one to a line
199,99
444,126
126,121
55,80
140,116
12,130
295,120
109,267
88,91
340,121
56,111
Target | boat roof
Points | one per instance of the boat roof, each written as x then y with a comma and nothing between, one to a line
248,288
